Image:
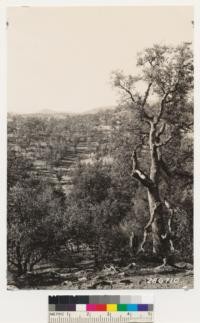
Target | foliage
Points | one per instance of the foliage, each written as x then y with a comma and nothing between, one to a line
70,189
34,224
165,108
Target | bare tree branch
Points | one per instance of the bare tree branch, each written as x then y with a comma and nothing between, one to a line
147,227
164,167
144,102
171,213
162,105
164,142
142,105
172,91
186,126
138,173
161,131
128,91
146,95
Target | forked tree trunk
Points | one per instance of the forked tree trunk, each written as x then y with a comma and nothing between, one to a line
157,224
156,208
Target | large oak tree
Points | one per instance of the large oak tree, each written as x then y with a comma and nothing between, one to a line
160,97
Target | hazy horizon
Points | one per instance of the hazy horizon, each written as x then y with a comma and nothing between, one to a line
60,58
52,111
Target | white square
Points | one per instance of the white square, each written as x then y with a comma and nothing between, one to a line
81,307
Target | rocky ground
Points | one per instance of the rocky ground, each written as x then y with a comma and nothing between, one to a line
110,277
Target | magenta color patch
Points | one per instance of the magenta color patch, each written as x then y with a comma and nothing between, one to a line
90,307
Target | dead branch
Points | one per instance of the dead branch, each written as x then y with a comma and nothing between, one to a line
162,105
128,91
161,131
171,213
146,95
138,173
144,113
148,226
164,142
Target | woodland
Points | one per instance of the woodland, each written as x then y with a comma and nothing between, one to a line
104,199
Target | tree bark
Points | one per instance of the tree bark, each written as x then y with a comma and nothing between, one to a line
157,221
155,204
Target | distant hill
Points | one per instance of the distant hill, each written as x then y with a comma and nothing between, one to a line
50,112
99,109
47,111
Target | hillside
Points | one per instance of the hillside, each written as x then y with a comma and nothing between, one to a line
75,215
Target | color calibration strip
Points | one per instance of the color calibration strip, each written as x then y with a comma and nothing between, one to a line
64,309
101,307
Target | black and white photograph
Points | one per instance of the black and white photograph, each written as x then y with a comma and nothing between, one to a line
100,147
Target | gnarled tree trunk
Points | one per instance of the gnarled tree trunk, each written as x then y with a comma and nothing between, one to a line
155,203
158,222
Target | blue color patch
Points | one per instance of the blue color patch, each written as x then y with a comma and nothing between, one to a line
132,307
143,307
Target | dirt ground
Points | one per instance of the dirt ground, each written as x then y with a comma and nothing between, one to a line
129,277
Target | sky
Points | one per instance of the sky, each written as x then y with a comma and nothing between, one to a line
61,58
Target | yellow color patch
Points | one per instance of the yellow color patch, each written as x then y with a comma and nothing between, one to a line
112,307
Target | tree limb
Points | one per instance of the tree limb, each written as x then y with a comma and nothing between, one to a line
171,213
146,95
186,126
161,131
144,102
164,167
164,142
128,91
162,105
138,174
148,226
164,99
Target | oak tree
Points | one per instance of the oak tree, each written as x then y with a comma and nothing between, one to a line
160,97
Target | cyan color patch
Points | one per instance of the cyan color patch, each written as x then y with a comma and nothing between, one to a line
132,307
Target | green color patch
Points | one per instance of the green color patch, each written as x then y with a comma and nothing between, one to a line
121,307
